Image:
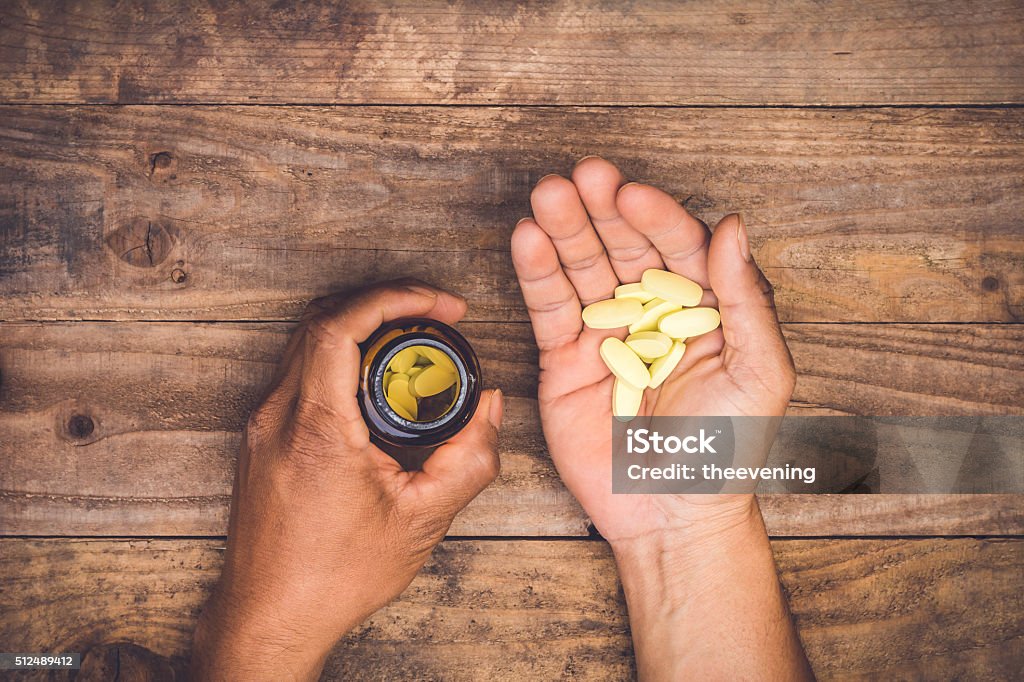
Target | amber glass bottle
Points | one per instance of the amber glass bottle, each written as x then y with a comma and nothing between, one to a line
404,422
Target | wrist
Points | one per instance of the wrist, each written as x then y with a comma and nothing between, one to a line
685,555
230,644
691,522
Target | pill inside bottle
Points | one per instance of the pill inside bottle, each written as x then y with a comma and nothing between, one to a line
419,386
421,383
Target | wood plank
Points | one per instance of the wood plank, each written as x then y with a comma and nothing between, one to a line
78,401
908,369
564,52
213,213
866,609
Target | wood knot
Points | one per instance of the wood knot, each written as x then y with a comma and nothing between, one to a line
159,162
163,167
80,426
990,284
178,276
142,243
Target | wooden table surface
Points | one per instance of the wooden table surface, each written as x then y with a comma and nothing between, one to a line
177,180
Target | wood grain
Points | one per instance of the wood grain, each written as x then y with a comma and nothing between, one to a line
215,213
565,52
866,609
131,428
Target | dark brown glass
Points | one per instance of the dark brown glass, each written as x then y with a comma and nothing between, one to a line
411,442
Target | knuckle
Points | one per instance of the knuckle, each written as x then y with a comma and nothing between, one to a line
629,254
320,331
317,425
583,262
315,307
305,441
262,422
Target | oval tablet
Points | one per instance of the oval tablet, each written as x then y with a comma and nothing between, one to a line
649,345
672,287
400,397
663,366
401,411
404,360
437,357
394,375
688,323
634,290
624,363
626,400
612,313
431,381
654,310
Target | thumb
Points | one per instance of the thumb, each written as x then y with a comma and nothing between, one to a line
750,324
458,470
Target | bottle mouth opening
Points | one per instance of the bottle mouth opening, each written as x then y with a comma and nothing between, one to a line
435,368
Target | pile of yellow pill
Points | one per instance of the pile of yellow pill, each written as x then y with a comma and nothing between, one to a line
420,383
660,312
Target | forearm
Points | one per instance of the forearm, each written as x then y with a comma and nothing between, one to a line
707,604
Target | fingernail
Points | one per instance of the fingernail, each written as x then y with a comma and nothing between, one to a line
549,175
522,220
497,409
590,156
741,238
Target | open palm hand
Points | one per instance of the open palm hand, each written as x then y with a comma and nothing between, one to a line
590,234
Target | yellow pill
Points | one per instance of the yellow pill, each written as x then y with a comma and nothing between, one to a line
626,400
624,363
404,360
431,381
401,411
663,366
654,310
635,290
394,375
649,345
416,369
672,287
688,323
437,357
400,397
612,313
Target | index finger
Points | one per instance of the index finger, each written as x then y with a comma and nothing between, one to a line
559,211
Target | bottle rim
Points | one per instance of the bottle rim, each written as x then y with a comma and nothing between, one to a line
390,431
380,365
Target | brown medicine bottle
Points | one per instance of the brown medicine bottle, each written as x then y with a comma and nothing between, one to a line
409,432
